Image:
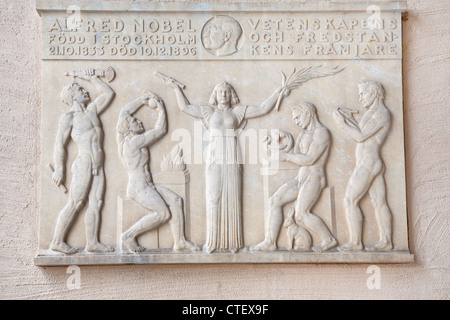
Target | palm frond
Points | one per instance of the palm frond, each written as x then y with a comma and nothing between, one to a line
283,78
309,73
297,78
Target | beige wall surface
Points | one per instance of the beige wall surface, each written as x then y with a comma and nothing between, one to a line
426,72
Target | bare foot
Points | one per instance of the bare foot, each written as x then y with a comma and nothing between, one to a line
264,246
325,245
63,247
350,246
132,244
186,246
380,246
98,247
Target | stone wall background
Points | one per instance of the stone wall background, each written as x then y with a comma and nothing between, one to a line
427,129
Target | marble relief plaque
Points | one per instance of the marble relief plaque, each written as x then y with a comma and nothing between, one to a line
222,133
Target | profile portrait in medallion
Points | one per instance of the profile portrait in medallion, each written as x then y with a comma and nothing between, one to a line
220,35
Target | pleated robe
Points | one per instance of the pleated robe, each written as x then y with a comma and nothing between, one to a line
223,178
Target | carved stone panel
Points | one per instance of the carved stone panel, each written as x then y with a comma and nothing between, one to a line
222,133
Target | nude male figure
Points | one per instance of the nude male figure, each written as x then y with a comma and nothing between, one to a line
83,125
369,132
162,204
310,153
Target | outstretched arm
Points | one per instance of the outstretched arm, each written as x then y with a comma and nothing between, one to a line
59,153
183,103
265,107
